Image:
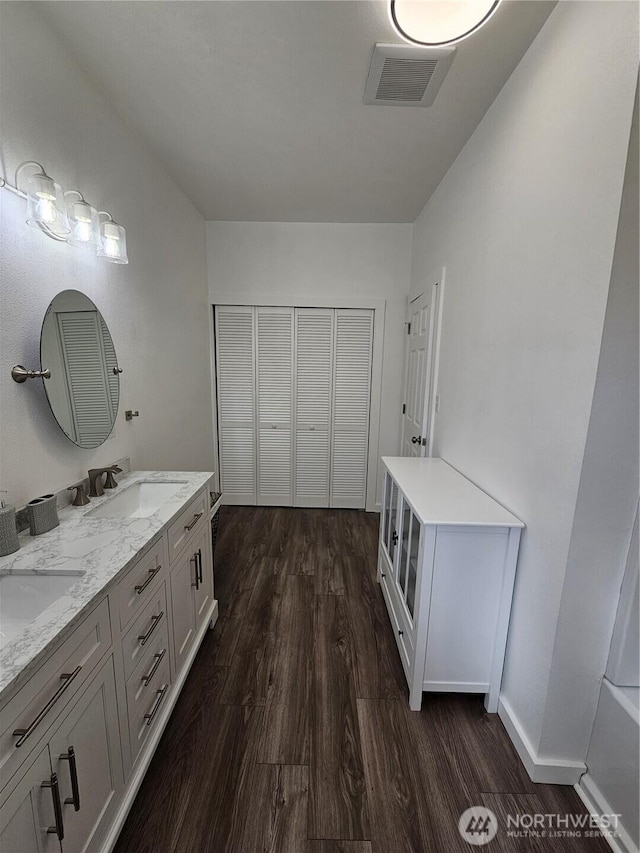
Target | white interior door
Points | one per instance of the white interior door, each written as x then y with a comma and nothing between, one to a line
351,399
274,360
313,385
416,418
235,368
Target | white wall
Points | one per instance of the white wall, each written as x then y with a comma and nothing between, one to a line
263,261
525,224
607,500
155,307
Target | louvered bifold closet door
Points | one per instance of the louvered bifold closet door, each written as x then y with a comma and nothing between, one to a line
235,362
314,370
351,398
84,358
274,359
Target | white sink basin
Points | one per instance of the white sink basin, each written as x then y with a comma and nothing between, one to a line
139,500
25,596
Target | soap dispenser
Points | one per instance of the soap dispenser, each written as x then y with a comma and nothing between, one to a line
9,543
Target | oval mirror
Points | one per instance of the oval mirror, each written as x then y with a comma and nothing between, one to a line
84,388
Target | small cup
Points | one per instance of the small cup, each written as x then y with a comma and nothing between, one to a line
42,514
9,542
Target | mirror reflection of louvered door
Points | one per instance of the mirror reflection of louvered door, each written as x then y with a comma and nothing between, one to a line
274,367
351,402
93,405
235,368
314,375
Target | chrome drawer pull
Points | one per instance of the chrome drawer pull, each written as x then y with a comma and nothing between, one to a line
199,555
58,829
74,799
155,621
152,573
160,694
23,734
152,672
195,520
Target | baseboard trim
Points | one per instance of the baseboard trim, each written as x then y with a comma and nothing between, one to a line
596,804
144,761
550,771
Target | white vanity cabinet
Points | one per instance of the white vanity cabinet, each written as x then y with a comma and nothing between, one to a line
85,756
70,791
78,729
28,813
446,565
191,593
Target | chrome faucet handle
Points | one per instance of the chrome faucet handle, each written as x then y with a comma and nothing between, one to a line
95,482
81,498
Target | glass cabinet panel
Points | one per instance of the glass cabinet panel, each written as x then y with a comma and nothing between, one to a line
404,546
414,547
386,533
393,535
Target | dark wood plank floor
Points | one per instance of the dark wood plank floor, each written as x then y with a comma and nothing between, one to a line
293,732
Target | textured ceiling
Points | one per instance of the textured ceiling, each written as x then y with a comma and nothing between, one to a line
256,107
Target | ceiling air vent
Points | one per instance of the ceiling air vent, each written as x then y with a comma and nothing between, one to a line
406,76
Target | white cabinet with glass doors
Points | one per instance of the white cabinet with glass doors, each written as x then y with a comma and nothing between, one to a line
446,565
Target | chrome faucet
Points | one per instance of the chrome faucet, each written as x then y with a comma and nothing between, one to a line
96,487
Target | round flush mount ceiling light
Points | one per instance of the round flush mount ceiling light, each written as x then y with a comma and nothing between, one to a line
435,23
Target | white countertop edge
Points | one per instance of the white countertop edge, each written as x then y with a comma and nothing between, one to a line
431,480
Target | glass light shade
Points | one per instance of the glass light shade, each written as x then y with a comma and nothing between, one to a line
434,23
113,243
45,204
83,221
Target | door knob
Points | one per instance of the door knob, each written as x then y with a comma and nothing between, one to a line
415,439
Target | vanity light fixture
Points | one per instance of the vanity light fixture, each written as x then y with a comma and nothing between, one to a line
83,221
66,216
436,23
45,200
112,245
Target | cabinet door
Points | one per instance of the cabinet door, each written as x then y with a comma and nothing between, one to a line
313,387
28,812
183,580
384,517
235,369
350,407
274,360
408,552
391,520
85,755
203,591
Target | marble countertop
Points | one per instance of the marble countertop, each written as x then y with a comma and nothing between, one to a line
102,548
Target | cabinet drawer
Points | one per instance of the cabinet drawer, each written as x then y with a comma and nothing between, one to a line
145,702
147,625
140,583
156,650
189,523
37,705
